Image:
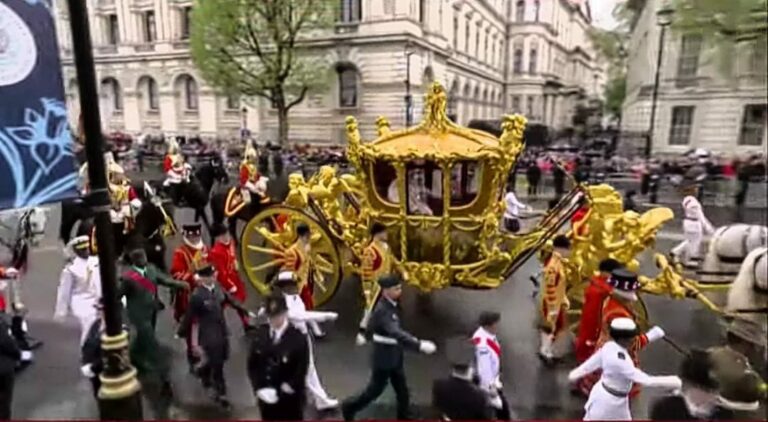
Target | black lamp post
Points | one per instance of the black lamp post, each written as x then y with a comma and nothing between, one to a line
663,20
119,396
408,96
244,124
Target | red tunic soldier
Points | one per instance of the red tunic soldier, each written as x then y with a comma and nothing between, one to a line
224,261
298,260
188,258
594,297
619,304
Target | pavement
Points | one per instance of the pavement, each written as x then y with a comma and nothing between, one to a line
52,388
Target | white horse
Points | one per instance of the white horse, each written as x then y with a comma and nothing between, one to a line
22,229
748,295
728,248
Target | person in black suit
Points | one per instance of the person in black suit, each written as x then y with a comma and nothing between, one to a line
457,397
389,342
278,364
205,323
91,358
699,396
10,355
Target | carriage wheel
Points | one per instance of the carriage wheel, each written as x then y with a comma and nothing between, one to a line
577,302
269,233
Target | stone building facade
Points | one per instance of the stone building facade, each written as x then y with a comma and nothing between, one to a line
493,56
697,106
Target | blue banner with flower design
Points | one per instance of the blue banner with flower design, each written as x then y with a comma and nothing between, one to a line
36,152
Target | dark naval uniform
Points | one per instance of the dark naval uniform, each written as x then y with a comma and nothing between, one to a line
457,397
205,314
389,342
277,366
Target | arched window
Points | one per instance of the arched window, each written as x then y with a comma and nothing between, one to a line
189,86
148,90
111,89
451,106
520,11
533,59
517,60
347,80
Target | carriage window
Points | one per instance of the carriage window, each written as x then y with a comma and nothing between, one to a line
385,181
424,189
465,178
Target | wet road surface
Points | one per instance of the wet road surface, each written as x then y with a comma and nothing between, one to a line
53,387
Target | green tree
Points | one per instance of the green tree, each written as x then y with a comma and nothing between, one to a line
729,29
252,48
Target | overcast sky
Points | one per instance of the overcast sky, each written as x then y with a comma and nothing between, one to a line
601,13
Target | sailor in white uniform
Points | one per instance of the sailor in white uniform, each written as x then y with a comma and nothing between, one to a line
79,287
488,360
695,225
609,398
300,317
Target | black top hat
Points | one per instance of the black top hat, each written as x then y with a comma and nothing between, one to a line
302,230
388,281
206,271
488,318
275,305
460,352
377,228
608,265
697,369
561,241
623,279
191,229
218,229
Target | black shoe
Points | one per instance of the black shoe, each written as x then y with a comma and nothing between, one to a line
346,413
224,403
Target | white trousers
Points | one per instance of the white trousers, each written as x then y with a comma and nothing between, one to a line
689,249
604,406
84,309
315,387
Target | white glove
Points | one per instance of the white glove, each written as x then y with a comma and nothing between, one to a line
330,316
87,371
267,395
285,388
497,384
261,312
360,339
654,334
252,315
496,402
233,289
427,347
11,272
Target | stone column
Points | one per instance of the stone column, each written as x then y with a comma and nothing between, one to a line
170,116
131,112
209,115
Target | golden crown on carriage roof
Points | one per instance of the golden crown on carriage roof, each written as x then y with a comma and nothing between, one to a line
437,139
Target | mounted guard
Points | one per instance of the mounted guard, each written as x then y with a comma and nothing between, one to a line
176,169
252,186
125,202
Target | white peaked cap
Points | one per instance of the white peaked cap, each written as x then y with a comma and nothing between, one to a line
623,324
285,275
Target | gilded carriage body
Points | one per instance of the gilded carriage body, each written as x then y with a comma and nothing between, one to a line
438,189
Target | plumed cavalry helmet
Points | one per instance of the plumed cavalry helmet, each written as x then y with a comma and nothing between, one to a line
173,146
250,153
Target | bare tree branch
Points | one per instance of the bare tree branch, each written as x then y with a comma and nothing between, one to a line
299,99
